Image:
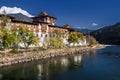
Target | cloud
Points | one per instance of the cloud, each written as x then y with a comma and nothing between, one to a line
94,24
14,10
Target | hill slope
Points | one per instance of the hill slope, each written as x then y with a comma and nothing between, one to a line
84,31
21,17
108,34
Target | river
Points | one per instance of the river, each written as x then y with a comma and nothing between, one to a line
101,64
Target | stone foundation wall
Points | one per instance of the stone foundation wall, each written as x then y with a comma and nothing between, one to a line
9,59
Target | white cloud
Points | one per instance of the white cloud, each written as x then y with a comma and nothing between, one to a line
94,24
14,10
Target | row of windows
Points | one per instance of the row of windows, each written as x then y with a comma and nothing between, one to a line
58,29
62,36
34,26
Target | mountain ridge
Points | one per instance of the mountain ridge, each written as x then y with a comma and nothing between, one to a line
84,31
108,34
21,17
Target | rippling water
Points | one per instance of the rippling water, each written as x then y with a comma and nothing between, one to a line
103,64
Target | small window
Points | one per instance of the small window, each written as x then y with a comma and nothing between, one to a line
41,35
46,35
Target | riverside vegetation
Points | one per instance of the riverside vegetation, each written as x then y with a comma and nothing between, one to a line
11,53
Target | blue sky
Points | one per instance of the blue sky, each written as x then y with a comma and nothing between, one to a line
91,14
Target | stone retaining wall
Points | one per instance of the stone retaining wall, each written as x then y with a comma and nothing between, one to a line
9,59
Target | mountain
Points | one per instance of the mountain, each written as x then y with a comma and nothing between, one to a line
108,34
84,31
21,17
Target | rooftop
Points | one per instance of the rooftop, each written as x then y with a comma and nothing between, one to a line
43,14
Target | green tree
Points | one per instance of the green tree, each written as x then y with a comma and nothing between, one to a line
32,39
4,19
26,37
75,37
7,38
92,41
80,35
55,40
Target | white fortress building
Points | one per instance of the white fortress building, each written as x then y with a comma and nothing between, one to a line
43,25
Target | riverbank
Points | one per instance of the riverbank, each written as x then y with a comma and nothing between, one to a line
9,59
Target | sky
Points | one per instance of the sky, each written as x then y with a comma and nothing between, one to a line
92,14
